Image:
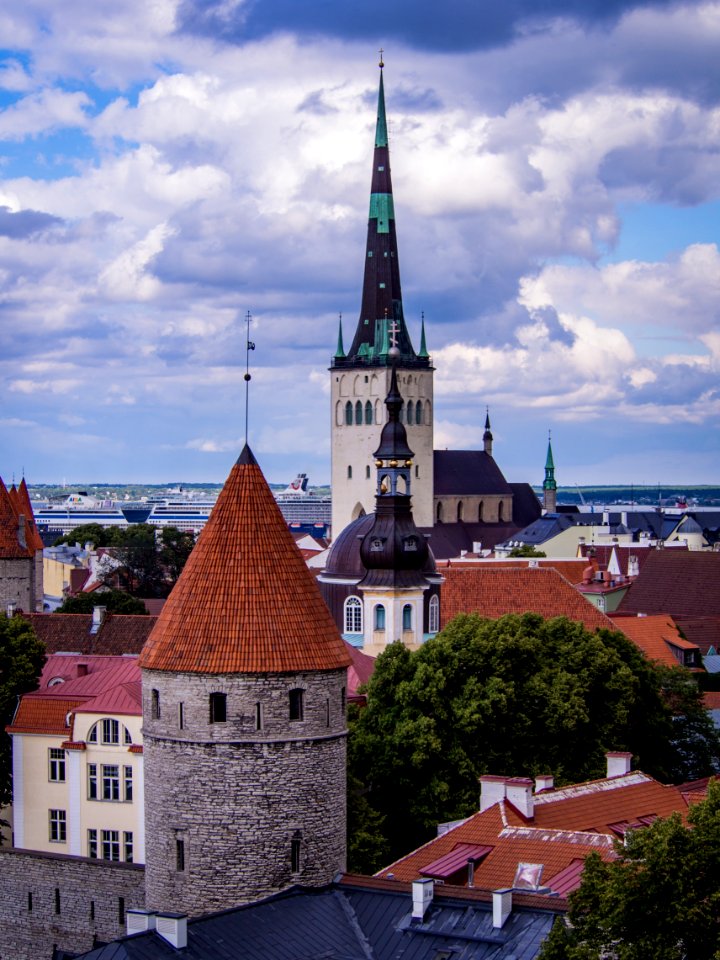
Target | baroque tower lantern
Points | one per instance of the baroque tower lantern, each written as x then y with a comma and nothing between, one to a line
244,678
360,378
549,483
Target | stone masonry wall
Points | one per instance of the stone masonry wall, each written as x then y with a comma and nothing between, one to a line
241,800
49,900
17,585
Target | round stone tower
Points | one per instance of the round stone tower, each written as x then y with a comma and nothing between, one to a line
244,679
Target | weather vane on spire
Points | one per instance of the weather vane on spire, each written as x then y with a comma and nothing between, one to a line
249,346
381,63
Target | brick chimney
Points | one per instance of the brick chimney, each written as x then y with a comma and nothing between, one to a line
422,896
544,781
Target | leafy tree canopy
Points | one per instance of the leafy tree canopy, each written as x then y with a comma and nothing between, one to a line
515,696
659,899
22,657
93,533
526,550
116,601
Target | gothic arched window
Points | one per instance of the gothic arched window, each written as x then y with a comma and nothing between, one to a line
439,512
418,413
348,414
353,615
358,412
368,412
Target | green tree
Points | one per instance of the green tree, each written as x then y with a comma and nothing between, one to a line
660,899
93,533
526,550
519,695
22,657
175,548
141,573
116,601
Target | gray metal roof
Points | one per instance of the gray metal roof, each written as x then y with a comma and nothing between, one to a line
348,922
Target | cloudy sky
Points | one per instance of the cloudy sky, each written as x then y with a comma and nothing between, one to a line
167,166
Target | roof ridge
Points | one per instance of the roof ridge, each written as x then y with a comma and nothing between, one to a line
631,779
557,835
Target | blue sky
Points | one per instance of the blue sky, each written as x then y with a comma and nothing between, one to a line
166,167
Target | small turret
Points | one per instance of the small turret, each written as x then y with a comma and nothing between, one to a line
487,436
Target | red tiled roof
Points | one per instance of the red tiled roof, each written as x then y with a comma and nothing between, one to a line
711,698
653,634
678,582
572,569
568,823
494,592
119,633
457,859
360,670
702,631
10,546
39,714
245,601
24,507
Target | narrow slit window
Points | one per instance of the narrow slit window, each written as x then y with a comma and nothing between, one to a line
218,707
180,854
297,705
258,716
296,852
155,704
181,715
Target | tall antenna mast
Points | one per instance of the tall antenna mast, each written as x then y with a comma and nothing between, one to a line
249,346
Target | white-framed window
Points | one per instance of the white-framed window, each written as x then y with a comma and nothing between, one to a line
379,614
407,617
56,765
434,614
128,846
111,845
110,781
128,783
109,733
92,778
92,844
353,615
58,826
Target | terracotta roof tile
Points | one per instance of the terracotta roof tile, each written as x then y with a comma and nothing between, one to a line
119,633
245,602
10,546
678,582
24,507
567,825
39,714
493,592
653,635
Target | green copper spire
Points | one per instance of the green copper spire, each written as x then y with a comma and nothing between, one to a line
340,352
423,346
381,137
549,482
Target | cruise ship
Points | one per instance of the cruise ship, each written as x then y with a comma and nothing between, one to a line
187,510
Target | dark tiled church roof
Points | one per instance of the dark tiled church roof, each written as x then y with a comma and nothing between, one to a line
678,582
467,473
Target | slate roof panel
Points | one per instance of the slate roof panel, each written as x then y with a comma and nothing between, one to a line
466,473
118,634
245,602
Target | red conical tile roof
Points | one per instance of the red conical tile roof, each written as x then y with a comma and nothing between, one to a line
24,505
10,546
245,602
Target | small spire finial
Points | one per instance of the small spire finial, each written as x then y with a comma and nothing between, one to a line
381,64
248,347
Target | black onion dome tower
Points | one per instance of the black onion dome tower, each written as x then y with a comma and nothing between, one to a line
381,582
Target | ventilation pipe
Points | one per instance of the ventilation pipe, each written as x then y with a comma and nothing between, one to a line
140,921
502,906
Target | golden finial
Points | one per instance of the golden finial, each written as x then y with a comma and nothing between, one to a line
381,64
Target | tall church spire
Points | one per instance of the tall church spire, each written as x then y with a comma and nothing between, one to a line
382,296
549,483
487,436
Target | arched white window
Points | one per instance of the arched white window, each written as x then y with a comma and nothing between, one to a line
353,615
434,614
